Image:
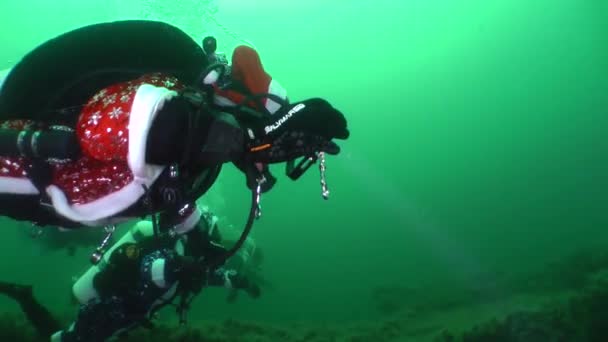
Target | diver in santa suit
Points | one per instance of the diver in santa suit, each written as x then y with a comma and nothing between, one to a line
124,119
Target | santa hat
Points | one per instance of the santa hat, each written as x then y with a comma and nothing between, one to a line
248,71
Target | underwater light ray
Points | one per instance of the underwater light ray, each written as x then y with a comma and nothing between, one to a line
380,190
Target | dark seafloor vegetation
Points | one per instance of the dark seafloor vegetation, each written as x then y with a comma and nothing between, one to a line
570,304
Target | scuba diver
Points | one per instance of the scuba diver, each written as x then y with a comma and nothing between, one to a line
130,119
141,274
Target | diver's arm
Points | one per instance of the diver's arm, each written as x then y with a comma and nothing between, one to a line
231,279
186,133
189,132
162,269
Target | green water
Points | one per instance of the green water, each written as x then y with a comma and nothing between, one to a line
478,147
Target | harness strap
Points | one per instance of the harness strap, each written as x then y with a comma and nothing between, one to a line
40,174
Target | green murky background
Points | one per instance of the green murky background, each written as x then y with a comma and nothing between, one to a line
478,147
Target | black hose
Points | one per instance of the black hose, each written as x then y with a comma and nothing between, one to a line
248,226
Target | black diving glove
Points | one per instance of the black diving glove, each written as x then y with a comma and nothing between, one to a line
190,132
243,283
297,130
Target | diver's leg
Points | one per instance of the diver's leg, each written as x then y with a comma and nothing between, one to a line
42,320
98,321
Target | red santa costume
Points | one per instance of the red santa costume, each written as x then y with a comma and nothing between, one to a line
112,129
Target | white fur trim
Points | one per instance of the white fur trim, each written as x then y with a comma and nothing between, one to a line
99,209
21,186
189,223
211,77
147,102
157,273
275,88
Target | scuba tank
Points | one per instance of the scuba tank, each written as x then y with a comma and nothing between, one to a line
217,63
84,290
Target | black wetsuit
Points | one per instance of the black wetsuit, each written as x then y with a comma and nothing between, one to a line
130,289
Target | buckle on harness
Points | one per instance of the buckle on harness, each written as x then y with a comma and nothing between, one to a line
46,203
